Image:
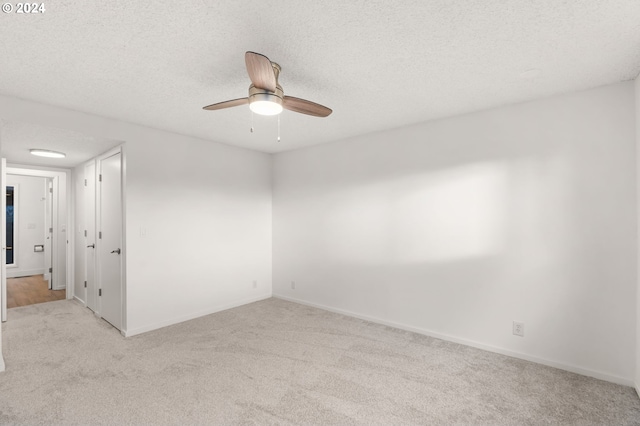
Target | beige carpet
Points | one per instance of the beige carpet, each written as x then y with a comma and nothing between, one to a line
276,362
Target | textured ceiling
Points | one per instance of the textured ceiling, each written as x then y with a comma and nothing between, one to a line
19,137
378,64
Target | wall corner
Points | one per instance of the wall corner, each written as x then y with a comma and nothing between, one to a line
637,325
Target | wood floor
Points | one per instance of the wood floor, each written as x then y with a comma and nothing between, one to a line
30,290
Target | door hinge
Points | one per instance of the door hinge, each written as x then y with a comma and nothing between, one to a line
100,235
85,232
99,178
85,284
50,270
51,230
100,292
51,190
85,182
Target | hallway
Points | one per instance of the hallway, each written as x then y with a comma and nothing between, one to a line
25,291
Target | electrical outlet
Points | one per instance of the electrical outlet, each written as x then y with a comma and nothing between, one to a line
255,284
293,285
518,328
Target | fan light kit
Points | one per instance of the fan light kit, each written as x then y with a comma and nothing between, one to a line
266,107
266,96
47,153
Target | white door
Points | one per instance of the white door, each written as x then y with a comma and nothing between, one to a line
48,233
58,239
110,240
90,236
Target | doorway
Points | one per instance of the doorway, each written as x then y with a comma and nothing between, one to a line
38,245
28,241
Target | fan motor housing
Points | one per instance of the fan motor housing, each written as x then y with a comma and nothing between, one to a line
256,94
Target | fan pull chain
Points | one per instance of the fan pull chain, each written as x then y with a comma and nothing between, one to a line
251,121
278,127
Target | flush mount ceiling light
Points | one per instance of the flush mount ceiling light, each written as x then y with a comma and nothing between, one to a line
47,153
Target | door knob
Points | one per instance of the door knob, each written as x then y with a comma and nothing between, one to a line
91,246
116,251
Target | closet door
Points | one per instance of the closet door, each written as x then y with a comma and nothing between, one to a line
90,236
110,239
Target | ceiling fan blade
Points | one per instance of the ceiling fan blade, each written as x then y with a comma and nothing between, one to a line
227,104
305,107
260,71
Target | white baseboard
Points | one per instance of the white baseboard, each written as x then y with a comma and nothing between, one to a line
77,299
15,273
568,367
2,366
638,390
183,318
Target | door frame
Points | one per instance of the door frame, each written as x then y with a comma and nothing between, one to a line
3,268
65,227
3,243
19,212
16,223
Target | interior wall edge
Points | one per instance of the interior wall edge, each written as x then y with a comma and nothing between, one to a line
637,157
454,339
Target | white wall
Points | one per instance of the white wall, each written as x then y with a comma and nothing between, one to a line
29,229
457,227
199,225
198,217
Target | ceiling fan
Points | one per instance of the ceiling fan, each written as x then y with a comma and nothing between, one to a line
266,96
